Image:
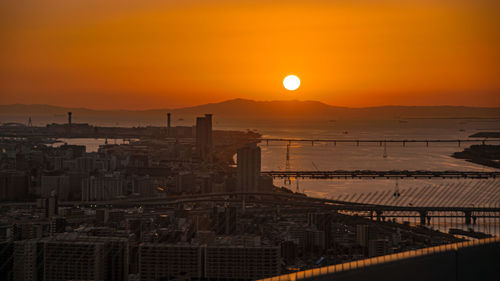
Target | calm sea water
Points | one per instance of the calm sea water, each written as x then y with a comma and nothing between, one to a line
414,156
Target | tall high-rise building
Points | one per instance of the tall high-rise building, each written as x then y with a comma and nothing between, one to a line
204,143
248,160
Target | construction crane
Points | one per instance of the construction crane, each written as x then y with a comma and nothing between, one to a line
288,181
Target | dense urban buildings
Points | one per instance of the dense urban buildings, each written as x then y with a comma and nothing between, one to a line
175,203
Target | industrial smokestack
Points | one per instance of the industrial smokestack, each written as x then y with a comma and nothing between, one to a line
69,119
168,123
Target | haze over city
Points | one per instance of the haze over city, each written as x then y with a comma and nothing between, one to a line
148,140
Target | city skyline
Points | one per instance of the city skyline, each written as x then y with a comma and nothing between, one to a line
194,140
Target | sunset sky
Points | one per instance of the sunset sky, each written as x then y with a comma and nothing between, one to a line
144,54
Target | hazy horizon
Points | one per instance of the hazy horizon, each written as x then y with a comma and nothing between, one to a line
242,99
148,54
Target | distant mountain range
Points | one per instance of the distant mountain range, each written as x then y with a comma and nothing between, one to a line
238,109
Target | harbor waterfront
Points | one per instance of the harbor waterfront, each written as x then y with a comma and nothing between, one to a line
350,156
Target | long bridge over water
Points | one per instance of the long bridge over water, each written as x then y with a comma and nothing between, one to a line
371,174
380,142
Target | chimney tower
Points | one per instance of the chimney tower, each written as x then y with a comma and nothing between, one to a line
168,124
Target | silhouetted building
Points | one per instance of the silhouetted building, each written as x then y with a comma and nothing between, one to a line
26,260
167,261
378,247
57,183
204,142
224,220
237,262
23,231
57,225
315,240
289,251
364,234
323,222
6,260
14,185
185,182
102,216
248,161
102,188
51,207
70,257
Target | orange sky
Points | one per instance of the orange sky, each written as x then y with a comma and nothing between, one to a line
141,54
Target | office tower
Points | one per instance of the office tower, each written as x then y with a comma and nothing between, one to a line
237,262
248,160
166,261
204,143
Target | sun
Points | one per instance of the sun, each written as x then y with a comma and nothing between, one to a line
291,82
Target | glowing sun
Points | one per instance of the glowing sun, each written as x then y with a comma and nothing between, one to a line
291,82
